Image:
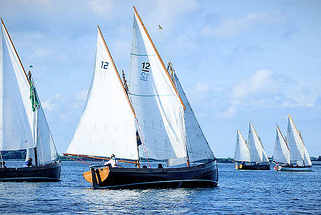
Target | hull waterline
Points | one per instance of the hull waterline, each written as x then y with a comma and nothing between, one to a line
252,166
293,168
105,177
45,173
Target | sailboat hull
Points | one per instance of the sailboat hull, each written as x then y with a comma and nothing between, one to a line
204,175
293,168
50,172
252,166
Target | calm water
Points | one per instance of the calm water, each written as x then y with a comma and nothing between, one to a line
239,192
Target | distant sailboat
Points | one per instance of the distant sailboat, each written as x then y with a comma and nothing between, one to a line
154,125
297,157
258,159
242,152
23,122
281,153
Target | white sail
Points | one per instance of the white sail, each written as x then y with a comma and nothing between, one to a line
298,152
168,100
242,152
107,125
257,152
16,108
281,153
156,143
197,145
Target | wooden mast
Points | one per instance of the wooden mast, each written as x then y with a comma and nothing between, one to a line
160,59
23,69
14,48
119,78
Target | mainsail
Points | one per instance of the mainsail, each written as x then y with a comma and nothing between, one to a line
16,129
298,152
197,145
257,152
281,153
23,123
242,152
107,125
164,136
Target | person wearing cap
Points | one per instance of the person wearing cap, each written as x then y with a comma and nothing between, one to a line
112,161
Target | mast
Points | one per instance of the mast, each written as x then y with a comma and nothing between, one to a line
27,78
14,48
172,71
160,59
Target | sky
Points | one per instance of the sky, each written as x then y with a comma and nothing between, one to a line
238,61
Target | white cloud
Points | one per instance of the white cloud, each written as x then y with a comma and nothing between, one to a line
234,26
51,103
260,80
101,7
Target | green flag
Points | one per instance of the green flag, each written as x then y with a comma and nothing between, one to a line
33,97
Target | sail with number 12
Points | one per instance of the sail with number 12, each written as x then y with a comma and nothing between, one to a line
149,126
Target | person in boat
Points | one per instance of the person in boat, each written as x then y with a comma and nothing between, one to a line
29,162
3,164
112,162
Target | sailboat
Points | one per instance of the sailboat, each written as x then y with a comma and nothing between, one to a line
242,152
298,158
258,158
23,121
281,152
149,127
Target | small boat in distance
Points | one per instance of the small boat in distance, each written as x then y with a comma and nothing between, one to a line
242,152
299,158
258,159
150,122
23,121
281,152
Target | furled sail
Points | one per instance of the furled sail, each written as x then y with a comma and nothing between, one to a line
107,125
298,152
168,101
16,128
281,153
257,152
197,145
242,152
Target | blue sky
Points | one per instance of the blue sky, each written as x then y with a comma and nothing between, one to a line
238,61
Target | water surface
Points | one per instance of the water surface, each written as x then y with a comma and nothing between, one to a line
239,192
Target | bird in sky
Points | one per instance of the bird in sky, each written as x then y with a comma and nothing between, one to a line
160,27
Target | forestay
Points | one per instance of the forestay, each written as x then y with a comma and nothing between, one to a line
156,143
168,100
281,153
242,152
197,145
298,152
107,125
15,106
257,152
